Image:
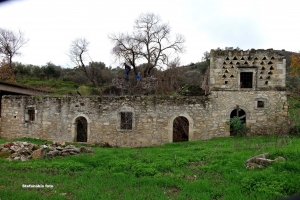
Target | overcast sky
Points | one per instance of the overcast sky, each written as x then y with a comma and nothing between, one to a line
51,25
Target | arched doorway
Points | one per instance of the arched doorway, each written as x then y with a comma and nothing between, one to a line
180,129
81,129
240,113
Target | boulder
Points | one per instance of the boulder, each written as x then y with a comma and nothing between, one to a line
39,154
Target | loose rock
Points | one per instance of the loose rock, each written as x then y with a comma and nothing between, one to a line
24,151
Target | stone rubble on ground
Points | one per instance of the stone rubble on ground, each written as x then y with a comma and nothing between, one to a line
25,151
261,161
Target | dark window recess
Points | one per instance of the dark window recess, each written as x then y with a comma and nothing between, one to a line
226,82
126,120
31,114
260,104
246,79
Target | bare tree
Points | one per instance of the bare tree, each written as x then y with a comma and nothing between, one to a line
151,40
10,44
126,47
78,54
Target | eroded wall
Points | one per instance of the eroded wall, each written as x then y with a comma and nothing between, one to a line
153,116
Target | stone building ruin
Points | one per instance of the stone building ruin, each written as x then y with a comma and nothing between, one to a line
248,84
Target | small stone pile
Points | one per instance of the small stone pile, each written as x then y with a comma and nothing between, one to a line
25,151
261,161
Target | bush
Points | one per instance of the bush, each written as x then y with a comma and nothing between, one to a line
237,127
83,90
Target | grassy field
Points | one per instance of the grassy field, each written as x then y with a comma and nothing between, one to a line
211,169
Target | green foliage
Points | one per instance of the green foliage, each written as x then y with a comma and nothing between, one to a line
237,126
84,90
294,113
210,169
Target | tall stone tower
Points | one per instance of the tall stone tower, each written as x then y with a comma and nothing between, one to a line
250,85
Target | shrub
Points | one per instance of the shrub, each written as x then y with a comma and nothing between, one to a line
237,127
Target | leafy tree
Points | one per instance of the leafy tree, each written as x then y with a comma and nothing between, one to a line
51,71
10,44
21,70
295,64
150,41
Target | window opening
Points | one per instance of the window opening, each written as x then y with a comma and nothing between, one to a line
260,77
255,58
262,72
262,63
224,76
260,104
226,71
81,129
270,72
246,79
230,63
269,77
226,82
180,129
246,63
232,66
31,114
238,63
227,58
263,68
231,76
264,58
272,58
271,68
223,67
126,120
266,83
270,63
224,63
242,58
234,58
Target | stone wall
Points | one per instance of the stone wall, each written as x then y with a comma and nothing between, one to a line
54,118
268,68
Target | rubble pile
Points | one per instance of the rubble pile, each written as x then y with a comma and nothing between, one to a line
261,161
25,151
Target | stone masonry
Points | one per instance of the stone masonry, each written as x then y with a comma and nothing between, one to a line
249,84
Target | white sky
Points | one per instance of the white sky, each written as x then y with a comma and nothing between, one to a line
51,25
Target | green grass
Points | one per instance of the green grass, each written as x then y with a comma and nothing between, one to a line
56,86
210,169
